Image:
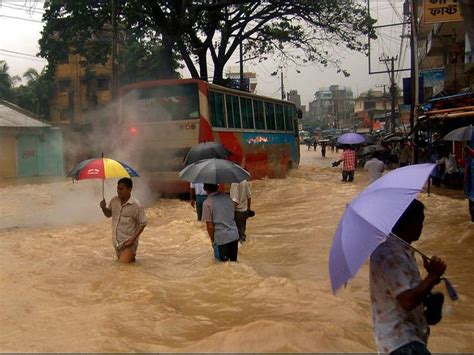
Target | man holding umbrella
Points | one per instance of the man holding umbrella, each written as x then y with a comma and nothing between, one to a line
397,291
128,220
218,213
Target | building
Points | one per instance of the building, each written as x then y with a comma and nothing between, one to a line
79,89
333,106
372,110
294,97
249,79
445,55
29,146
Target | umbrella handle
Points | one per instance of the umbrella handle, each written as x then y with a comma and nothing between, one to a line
103,196
453,295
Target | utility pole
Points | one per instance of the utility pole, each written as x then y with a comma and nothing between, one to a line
114,85
414,70
393,91
281,83
241,53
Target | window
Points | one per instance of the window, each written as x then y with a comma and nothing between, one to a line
258,113
247,113
233,111
289,115
280,118
63,85
216,108
270,116
164,103
103,84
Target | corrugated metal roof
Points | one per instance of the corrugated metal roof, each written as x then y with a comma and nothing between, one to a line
13,116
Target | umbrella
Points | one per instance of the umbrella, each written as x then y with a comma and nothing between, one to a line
214,171
372,149
459,134
351,138
101,168
369,218
206,150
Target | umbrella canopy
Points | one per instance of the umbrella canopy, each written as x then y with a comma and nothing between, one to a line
369,218
372,149
351,138
214,171
206,150
460,134
101,168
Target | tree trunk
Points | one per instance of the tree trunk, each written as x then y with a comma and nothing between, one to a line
166,58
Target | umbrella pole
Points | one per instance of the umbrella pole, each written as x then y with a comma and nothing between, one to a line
453,295
103,196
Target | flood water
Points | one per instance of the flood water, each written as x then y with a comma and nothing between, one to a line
62,289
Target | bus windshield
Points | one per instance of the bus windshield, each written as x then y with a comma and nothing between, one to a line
161,103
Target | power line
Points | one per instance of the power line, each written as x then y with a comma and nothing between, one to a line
23,54
21,18
30,10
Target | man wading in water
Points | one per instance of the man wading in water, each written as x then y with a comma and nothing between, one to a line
128,220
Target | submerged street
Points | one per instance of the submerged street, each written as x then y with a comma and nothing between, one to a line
64,291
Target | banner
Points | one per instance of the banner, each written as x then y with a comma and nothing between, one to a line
441,11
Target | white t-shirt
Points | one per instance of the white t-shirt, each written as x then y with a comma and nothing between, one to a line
198,188
375,168
239,193
393,270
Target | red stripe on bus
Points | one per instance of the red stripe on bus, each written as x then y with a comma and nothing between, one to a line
229,140
205,131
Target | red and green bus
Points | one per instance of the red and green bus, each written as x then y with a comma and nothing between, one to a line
163,119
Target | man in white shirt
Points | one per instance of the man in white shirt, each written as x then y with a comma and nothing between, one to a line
241,194
397,290
198,196
375,167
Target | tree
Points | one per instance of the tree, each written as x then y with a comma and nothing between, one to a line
35,95
299,31
6,82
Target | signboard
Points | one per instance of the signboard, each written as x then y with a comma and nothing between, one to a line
435,11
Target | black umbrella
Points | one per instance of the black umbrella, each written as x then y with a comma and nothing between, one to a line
372,149
214,171
206,150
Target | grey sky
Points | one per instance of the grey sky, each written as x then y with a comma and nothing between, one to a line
22,36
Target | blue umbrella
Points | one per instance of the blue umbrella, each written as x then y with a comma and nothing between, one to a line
369,218
351,138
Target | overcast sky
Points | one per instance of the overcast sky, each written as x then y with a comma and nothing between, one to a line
20,27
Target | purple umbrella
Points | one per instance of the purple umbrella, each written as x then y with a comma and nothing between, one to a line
368,220
351,138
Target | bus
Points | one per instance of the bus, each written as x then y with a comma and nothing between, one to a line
163,119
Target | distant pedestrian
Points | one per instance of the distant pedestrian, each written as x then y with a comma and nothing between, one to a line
375,167
128,220
323,150
469,180
315,144
218,213
404,154
348,159
241,194
198,196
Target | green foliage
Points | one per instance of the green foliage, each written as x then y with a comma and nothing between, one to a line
297,31
6,82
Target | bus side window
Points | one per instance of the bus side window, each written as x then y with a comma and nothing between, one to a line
247,114
289,114
233,111
270,116
216,109
280,118
258,113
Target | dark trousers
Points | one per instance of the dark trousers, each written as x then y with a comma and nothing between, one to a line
241,222
199,201
413,348
471,209
348,175
227,252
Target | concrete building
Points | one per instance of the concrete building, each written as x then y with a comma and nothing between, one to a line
79,89
249,78
29,146
333,106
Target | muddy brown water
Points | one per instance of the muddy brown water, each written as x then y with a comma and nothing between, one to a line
62,289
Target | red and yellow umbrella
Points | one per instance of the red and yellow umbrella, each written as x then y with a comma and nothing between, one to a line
101,168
